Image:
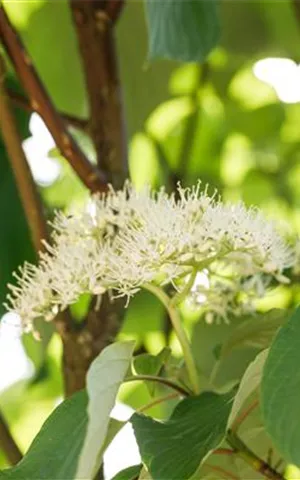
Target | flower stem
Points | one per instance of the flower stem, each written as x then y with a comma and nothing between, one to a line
180,332
251,458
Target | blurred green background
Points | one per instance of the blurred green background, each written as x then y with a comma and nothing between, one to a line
233,122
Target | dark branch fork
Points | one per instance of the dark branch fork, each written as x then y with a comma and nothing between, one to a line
22,102
42,104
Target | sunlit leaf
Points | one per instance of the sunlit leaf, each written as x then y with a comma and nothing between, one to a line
249,383
54,452
103,381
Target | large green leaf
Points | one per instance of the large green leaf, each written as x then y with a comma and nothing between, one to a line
207,342
182,30
255,331
54,452
64,438
280,399
137,80
103,381
175,448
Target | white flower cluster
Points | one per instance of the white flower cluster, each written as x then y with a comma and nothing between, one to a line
126,239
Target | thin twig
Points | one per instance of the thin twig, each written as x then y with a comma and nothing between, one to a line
158,401
223,472
240,419
223,451
8,444
256,463
42,104
20,101
163,381
13,143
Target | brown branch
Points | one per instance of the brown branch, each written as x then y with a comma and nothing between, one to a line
92,336
296,5
113,9
223,451
20,101
94,25
26,187
8,444
42,104
256,463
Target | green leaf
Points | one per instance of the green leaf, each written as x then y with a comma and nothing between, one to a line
103,381
146,364
175,448
55,450
130,473
250,382
222,372
256,331
182,30
280,399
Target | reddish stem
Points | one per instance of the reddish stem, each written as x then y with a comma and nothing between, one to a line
242,417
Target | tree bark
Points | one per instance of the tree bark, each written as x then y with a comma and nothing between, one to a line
94,21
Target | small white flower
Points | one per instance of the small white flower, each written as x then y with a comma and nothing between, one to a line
121,241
